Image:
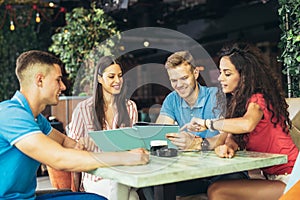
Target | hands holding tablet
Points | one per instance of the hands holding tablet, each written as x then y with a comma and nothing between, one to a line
185,140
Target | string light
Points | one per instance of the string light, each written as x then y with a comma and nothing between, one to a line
146,43
51,4
12,26
17,20
37,18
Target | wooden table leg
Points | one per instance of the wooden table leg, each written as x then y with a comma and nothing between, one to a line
165,192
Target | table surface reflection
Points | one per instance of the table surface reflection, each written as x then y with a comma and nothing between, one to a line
187,166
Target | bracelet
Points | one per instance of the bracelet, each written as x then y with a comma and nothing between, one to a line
205,124
211,125
204,144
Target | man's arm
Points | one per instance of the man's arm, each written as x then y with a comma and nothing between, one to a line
45,150
62,139
163,119
188,141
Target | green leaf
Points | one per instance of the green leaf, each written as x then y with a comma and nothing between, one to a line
86,29
289,12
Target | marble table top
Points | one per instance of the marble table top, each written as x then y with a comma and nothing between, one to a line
187,166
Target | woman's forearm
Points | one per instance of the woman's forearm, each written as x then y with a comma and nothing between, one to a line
235,125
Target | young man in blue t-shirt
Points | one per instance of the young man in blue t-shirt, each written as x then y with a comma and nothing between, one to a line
27,139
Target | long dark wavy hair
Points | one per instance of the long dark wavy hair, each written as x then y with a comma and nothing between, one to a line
98,100
255,77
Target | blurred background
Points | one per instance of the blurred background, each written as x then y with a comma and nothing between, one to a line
57,26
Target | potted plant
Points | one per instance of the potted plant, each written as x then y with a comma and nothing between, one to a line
289,13
80,40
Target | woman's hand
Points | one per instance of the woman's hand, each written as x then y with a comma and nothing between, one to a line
224,151
195,125
86,143
138,156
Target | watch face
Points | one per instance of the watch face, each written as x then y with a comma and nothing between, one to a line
204,145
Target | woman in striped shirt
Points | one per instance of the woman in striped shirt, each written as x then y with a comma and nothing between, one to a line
106,109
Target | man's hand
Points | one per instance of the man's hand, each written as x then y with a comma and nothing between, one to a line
183,140
224,151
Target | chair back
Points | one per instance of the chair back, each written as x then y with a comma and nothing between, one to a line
294,110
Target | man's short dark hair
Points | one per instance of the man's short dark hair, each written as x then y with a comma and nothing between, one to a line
32,57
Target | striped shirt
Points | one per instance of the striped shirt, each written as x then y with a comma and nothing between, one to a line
82,124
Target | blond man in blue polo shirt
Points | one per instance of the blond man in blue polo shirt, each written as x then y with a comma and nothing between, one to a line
190,99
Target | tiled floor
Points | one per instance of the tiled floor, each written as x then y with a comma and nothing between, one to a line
43,183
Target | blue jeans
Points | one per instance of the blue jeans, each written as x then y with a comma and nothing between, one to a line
197,186
71,196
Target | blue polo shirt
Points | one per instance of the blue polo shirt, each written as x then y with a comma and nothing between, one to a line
177,108
17,170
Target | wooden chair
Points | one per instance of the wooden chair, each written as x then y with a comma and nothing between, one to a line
294,110
295,130
292,190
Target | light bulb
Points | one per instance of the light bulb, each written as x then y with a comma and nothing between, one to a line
37,18
12,26
146,43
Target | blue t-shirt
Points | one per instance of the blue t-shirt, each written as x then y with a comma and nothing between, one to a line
177,108
17,170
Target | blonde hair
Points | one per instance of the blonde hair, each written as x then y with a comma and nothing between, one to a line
180,58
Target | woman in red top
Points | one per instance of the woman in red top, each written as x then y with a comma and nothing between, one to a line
256,117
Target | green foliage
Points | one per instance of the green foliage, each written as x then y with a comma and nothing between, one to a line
289,13
80,43
12,44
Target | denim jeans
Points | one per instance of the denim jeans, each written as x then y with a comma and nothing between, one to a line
70,196
197,186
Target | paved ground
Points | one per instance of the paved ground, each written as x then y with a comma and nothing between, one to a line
43,183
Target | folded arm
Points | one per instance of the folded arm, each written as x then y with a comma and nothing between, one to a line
228,149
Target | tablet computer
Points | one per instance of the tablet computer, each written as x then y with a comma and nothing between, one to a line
139,135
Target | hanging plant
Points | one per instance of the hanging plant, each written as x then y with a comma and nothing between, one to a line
80,40
13,43
289,13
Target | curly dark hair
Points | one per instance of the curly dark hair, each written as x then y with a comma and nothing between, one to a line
255,77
